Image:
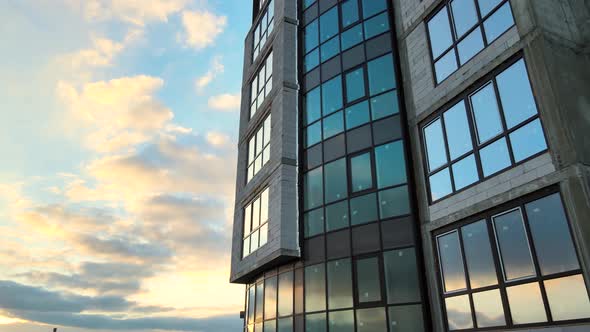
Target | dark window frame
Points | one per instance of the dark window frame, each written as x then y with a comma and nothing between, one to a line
502,285
464,97
261,12
267,89
257,197
456,41
254,136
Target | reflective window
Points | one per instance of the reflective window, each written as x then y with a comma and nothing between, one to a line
270,326
350,12
333,125
469,23
476,124
313,134
381,74
313,109
329,49
285,324
263,29
255,224
315,288
259,149
259,301
510,277
339,284
261,85
329,24
372,7
355,85
313,189
394,202
341,321
357,114
368,280
337,216
352,37
335,188
332,95
312,60
313,222
374,319
376,25
311,36
361,172
390,164
315,322
407,318
384,105
285,294
270,298
401,276
363,209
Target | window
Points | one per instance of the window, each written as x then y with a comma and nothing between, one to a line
368,280
461,29
263,29
256,224
339,284
261,85
315,288
534,278
259,149
487,131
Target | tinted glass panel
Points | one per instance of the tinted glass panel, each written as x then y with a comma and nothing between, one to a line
332,95
465,172
251,304
329,24
384,105
337,216
390,164
494,157
498,23
435,145
551,236
445,66
451,262
285,325
372,7
314,222
361,173
381,74
315,288
270,326
315,323
312,60
350,12
516,94
311,36
401,276
312,106
478,255
330,49
352,37
376,25
314,192
355,85
486,6
458,131
513,245
341,321
368,280
313,134
528,140
488,309
439,30
486,113
357,114
363,209
470,46
339,284
394,202
464,15
458,313
440,184
568,298
286,294
407,318
270,298
371,320
336,188
259,301
526,304
333,125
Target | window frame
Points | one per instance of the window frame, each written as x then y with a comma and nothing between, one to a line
502,285
260,153
456,41
262,10
250,204
253,100
465,97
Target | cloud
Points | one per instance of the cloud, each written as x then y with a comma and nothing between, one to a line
201,28
133,12
225,102
215,69
101,54
119,113
217,139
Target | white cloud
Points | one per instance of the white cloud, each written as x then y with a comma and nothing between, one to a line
215,69
217,139
202,28
136,12
101,54
225,102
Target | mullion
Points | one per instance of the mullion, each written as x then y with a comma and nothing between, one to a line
480,22
499,274
447,152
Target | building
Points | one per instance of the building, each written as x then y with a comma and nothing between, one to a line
415,165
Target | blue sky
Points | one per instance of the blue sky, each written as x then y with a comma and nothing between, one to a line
118,135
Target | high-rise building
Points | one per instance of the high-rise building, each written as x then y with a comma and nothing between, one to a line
414,165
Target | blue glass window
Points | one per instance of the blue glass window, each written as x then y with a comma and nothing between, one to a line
394,202
337,216
357,114
516,94
361,172
384,105
376,25
332,95
311,36
329,24
350,12
363,209
495,157
313,222
312,60
498,23
335,188
355,85
313,189
470,46
390,164
372,7
439,29
330,48
381,74
313,134
333,125
313,109
352,37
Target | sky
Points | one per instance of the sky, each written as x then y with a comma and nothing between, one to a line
118,138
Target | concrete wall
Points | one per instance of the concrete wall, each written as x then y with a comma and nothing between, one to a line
280,173
554,36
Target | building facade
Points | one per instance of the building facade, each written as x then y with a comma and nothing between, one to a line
415,165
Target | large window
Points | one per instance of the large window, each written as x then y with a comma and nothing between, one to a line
259,149
512,267
462,28
263,28
487,131
261,85
256,224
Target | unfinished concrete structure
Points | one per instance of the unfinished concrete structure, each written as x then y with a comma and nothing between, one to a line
415,165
